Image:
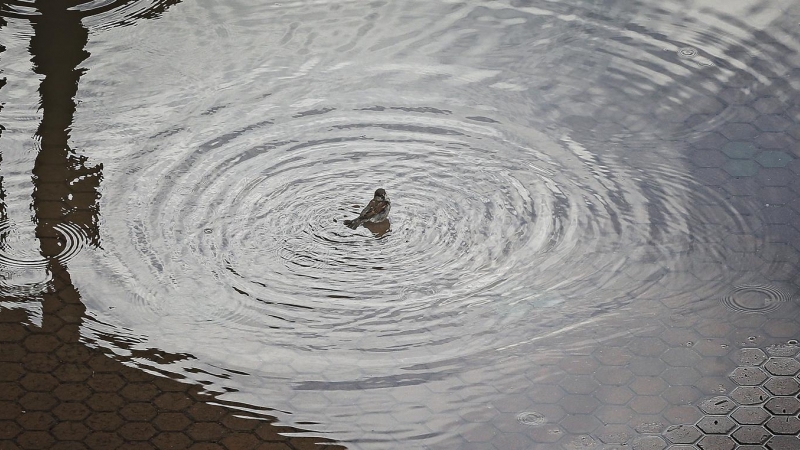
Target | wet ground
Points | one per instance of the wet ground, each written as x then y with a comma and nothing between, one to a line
57,393
594,237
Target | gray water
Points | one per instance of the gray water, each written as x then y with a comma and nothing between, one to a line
557,171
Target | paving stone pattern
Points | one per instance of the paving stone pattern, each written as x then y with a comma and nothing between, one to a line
761,410
58,394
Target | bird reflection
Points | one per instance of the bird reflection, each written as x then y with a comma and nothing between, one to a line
379,229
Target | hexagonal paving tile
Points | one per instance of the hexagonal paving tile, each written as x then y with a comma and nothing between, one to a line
773,158
776,141
782,366
739,131
716,424
681,376
784,425
650,367
682,414
749,395
70,431
717,405
681,395
613,376
680,357
750,357
716,443
682,434
782,386
770,105
772,122
582,442
750,415
785,350
783,443
646,404
707,158
579,423
174,440
647,346
647,385
578,384
739,150
171,421
614,395
206,431
649,443
782,406
38,401
612,356
579,403
748,376
614,434
751,434
741,168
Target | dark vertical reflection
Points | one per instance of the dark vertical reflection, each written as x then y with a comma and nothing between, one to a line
66,194
3,213
65,186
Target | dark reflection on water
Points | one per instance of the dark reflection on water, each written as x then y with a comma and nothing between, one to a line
66,212
551,165
96,15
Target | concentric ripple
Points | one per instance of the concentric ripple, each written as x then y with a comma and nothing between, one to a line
485,217
23,270
69,237
531,418
755,298
275,212
535,155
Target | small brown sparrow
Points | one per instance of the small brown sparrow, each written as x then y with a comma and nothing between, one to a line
376,211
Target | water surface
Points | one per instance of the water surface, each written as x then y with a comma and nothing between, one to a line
550,164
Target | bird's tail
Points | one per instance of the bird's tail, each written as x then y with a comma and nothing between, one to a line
352,224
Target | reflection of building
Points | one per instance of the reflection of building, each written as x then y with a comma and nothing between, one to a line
56,392
65,189
3,217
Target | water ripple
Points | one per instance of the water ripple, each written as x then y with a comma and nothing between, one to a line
70,238
257,219
534,153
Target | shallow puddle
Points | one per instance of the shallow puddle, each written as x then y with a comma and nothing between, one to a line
594,207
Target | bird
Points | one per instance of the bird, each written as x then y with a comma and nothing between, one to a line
376,211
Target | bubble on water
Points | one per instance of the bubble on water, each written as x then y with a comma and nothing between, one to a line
531,418
687,52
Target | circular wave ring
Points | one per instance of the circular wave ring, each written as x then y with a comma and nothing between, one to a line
483,217
755,298
71,238
531,418
687,52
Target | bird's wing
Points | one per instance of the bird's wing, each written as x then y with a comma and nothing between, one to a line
374,208
367,212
